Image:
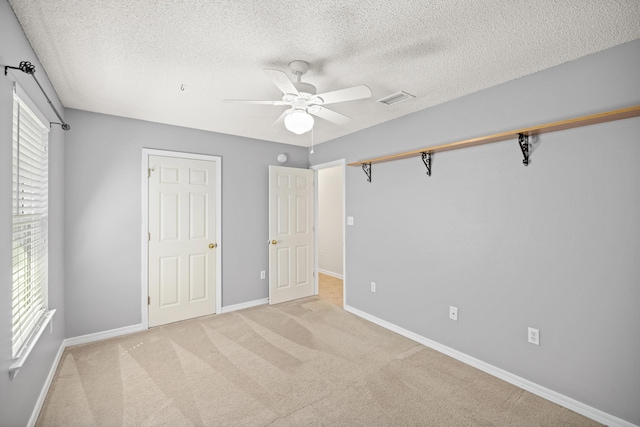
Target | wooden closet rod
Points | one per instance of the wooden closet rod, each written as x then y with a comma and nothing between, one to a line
623,113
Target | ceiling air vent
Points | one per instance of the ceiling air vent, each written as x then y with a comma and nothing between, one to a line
395,98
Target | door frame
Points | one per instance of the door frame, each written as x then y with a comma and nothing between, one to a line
342,163
144,230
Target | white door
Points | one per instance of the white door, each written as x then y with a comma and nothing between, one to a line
290,233
182,239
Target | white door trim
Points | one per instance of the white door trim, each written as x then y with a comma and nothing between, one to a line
316,168
146,152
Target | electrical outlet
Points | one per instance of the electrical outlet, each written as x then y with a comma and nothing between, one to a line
453,313
533,336
349,220
373,286
263,274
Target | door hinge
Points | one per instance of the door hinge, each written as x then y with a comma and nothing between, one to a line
148,300
149,236
149,173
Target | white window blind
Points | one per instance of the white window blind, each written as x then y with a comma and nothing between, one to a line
30,215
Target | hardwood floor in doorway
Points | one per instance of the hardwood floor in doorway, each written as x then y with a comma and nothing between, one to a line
330,289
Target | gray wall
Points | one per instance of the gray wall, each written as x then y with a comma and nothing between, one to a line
18,397
555,245
103,211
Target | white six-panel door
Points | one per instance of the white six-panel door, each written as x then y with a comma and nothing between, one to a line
182,239
290,234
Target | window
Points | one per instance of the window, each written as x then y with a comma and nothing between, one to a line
30,238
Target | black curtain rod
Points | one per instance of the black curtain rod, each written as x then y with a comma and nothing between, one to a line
28,68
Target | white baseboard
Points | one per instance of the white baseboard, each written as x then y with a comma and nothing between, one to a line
555,397
234,307
45,388
84,339
331,273
560,399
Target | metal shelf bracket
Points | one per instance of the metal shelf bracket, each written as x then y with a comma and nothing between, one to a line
366,167
523,140
426,159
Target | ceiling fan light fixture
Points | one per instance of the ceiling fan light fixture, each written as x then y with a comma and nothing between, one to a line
298,121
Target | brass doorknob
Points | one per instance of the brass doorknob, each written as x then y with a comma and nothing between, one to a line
274,242
213,245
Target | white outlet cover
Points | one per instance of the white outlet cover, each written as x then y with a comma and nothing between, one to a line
453,313
373,286
533,336
263,274
349,220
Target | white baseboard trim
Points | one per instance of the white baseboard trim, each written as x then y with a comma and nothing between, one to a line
234,307
45,388
84,339
555,397
331,273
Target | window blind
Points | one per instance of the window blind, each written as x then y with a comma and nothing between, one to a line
30,215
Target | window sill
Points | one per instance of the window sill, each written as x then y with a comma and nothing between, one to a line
19,362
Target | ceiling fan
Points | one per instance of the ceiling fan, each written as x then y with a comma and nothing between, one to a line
304,101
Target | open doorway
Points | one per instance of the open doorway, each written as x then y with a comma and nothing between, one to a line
329,230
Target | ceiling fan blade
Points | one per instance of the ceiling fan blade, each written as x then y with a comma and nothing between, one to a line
281,80
342,95
330,115
280,119
246,101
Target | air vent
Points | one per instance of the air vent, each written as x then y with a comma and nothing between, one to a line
395,98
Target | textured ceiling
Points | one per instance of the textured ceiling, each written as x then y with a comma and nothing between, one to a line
175,61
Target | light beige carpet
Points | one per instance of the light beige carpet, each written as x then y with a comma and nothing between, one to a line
305,362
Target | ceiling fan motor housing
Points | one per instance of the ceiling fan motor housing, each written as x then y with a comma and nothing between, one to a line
306,90
299,104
